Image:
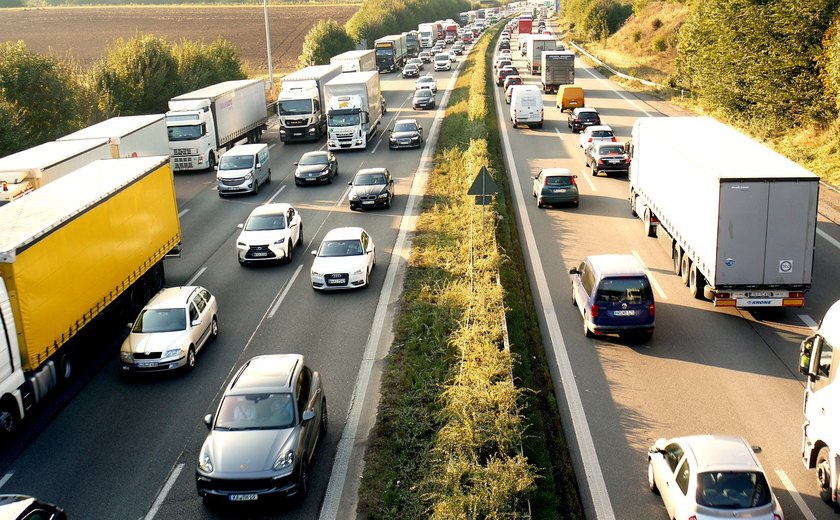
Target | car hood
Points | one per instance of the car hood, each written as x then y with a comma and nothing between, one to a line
233,174
246,451
338,264
404,135
311,168
261,238
143,343
373,189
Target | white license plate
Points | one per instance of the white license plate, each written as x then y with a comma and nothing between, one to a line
298,133
559,190
612,162
335,281
243,498
624,313
368,202
146,364
257,255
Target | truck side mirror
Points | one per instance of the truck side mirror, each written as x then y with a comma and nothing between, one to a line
806,353
574,270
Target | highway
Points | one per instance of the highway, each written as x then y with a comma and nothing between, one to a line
706,370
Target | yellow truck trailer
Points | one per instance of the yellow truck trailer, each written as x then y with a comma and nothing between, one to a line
93,239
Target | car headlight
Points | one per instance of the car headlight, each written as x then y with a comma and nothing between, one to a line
279,242
218,179
284,460
316,274
357,271
382,195
205,464
172,353
353,196
392,139
249,175
126,356
243,244
415,138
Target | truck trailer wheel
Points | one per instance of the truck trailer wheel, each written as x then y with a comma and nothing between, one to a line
685,268
696,283
676,255
8,418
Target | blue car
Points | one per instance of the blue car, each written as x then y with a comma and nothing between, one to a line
614,296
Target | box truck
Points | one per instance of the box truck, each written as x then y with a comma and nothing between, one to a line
355,61
129,136
354,109
390,52
301,104
534,47
741,218
204,123
91,241
525,25
558,68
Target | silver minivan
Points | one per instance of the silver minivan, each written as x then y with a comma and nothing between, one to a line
243,169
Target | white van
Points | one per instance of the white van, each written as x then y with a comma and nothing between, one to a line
442,61
526,107
243,169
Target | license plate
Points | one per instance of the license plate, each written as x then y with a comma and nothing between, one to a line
310,179
368,202
624,313
146,364
243,498
612,162
335,281
257,255
559,190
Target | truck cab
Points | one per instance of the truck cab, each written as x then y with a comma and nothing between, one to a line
11,399
192,135
300,114
347,121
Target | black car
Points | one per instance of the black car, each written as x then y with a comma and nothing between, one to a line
580,118
22,507
503,73
407,133
316,167
504,44
607,157
423,98
371,188
411,70
458,49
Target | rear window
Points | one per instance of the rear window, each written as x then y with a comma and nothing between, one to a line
624,290
588,116
602,133
611,149
732,490
558,180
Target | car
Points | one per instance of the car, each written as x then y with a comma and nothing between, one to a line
580,118
264,433
505,53
458,49
411,70
501,62
505,34
711,476
407,133
416,61
371,188
511,88
614,296
449,39
467,38
513,79
607,157
443,61
428,82
270,233
344,260
452,55
440,43
553,186
504,44
595,133
423,98
508,70
170,330
23,507
243,169
425,56
316,167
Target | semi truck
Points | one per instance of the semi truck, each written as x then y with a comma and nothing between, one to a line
89,243
28,170
558,68
354,109
412,44
741,219
820,435
451,31
463,18
428,34
205,123
129,136
391,52
356,61
534,47
525,25
301,104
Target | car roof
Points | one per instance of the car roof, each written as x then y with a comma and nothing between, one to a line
370,170
598,128
269,373
246,149
172,296
720,453
581,110
406,120
603,144
343,233
616,265
557,172
274,208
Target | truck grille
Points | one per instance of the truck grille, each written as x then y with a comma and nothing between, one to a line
295,122
181,151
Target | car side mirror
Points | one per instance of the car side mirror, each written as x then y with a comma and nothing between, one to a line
574,270
259,165
295,164
350,183
240,226
129,325
195,323
208,420
308,415
654,449
216,167
314,252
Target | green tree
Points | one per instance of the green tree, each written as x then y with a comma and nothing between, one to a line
830,62
326,39
201,64
137,76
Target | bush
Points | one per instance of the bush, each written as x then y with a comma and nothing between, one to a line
656,24
637,36
659,44
11,3
326,39
201,64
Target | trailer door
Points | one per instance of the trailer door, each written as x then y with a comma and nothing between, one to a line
742,232
791,225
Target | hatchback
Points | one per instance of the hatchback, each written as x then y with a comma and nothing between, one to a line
423,98
614,295
580,118
271,233
555,186
593,134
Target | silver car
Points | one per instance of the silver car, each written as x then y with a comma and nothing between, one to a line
271,233
264,432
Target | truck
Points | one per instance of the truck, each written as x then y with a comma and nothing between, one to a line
27,170
205,123
463,18
90,243
820,435
451,31
412,44
354,109
355,61
534,47
740,218
526,24
129,136
301,106
428,34
391,52
558,68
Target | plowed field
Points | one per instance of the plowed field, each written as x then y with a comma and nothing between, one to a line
84,33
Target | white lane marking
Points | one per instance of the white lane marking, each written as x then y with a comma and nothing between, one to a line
272,145
6,478
611,86
794,494
196,275
284,291
559,135
183,212
585,175
276,193
173,476
831,240
592,468
809,322
388,125
650,276
377,145
402,248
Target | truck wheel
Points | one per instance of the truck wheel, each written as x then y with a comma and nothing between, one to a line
676,254
696,283
824,474
8,418
650,228
633,204
211,161
685,268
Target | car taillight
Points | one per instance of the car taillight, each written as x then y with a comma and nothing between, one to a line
574,182
627,160
613,139
589,140
692,517
652,309
777,517
594,312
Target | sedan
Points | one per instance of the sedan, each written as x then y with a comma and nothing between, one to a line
270,234
423,98
344,260
596,133
555,186
458,48
314,167
427,82
607,157
580,118
506,54
504,72
425,56
371,188
504,44
265,432
407,133
170,330
501,62
411,70
416,61
711,476
513,79
452,55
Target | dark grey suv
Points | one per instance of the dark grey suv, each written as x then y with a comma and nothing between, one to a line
264,432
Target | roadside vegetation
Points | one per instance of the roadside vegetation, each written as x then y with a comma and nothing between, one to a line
466,428
121,3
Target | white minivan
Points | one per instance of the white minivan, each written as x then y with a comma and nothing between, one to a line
526,106
442,61
243,169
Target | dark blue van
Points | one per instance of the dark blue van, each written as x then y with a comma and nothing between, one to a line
614,296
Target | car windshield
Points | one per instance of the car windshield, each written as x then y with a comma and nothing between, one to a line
369,179
184,133
558,180
160,320
311,160
236,162
425,81
614,149
265,222
256,412
405,127
624,290
350,247
336,120
294,107
732,490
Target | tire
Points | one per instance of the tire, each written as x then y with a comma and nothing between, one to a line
574,302
214,328
823,475
324,417
303,479
388,202
586,332
190,365
268,179
540,125
290,252
633,205
256,187
9,419
651,480
576,204
540,203
686,265
676,255
300,236
696,283
211,161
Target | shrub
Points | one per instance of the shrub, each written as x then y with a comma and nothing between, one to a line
656,24
326,39
659,44
201,64
637,36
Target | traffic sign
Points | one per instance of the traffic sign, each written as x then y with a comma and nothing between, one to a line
483,184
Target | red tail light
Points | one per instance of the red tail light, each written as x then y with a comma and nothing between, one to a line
795,294
594,312
574,182
652,309
627,160
613,139
589,140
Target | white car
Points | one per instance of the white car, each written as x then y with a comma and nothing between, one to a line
344,260
710,476
270,233
505,53
452,55
428,82
596,133
170,330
